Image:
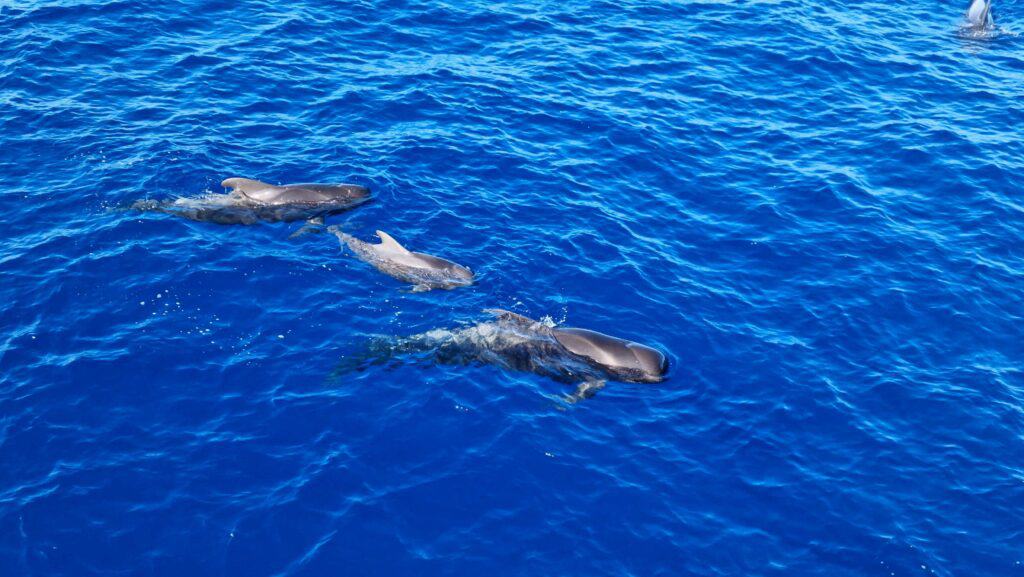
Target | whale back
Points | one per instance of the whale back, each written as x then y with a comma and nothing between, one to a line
306,193
630,360
440,264
245,186
390,249
323,192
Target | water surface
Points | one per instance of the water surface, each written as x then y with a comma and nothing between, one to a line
814,208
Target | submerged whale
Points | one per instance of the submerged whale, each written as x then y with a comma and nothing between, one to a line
251,200
568,355
979,14
423,271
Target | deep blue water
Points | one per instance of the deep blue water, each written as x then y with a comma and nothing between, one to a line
815,208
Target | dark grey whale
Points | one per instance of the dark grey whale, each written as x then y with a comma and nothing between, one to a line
568,355
251,201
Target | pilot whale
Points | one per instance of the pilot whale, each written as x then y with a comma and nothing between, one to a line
979,14
251,200
577,356
423,271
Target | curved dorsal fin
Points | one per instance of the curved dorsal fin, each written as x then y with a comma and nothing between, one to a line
504,315
244,185
389,243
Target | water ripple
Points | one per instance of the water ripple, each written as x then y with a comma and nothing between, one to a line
812,208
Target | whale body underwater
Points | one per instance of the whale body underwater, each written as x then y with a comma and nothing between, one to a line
511,341
251,201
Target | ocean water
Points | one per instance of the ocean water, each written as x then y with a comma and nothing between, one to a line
814,208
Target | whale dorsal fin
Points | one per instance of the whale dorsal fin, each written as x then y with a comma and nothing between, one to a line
977,12
390,244
244,186
505,315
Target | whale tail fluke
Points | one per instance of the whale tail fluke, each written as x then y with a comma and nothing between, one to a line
584,390
342,235
313,225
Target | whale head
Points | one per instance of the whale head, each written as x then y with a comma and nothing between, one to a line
458,272
625,359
